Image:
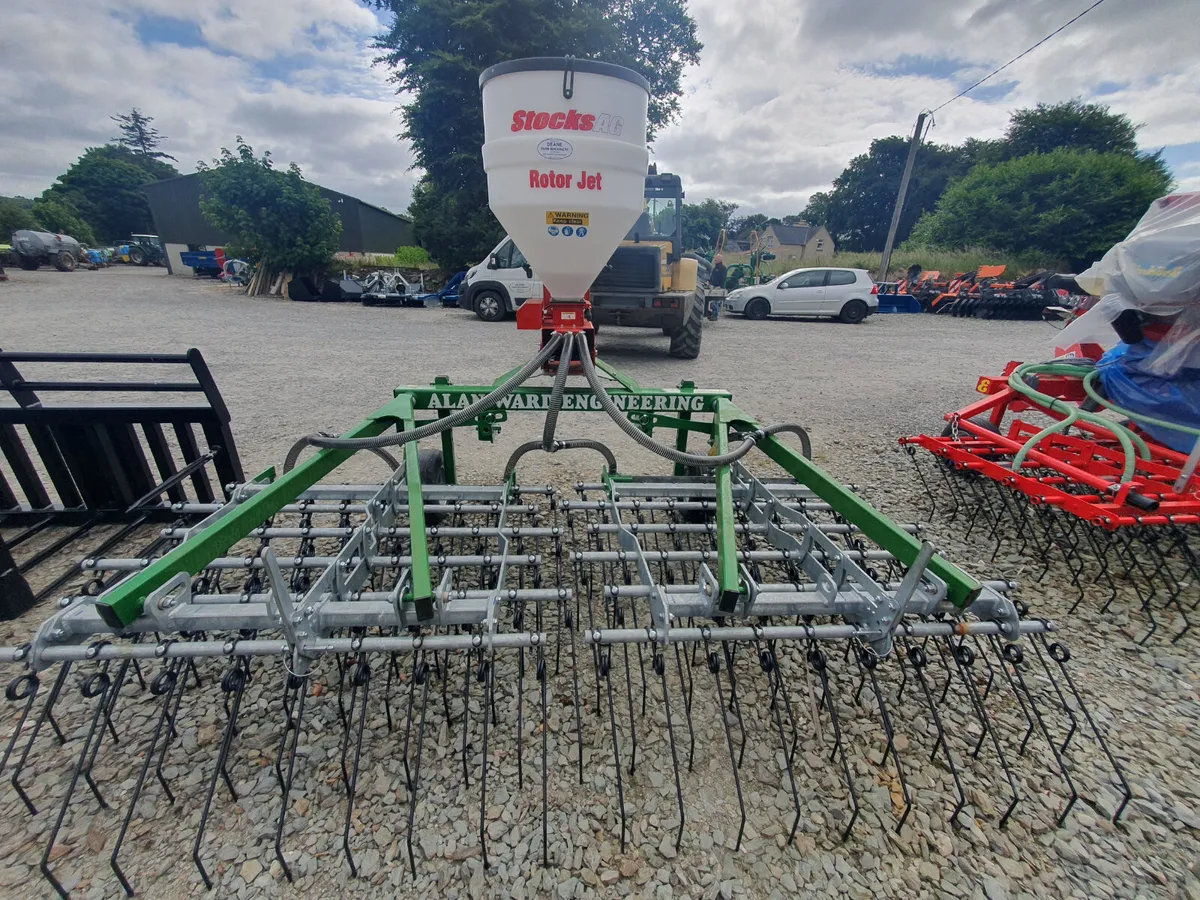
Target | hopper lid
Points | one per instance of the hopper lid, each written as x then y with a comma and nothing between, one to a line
563,64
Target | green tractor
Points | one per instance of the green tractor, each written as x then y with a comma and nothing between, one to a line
143,250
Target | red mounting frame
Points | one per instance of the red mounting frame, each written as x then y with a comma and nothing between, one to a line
552,316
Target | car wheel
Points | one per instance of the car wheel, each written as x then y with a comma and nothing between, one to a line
853,312
65,261
489,306
758,308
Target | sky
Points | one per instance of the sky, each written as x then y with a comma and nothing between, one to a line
786,92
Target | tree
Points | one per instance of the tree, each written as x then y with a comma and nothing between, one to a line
741,226
858,211
1071,204
437,49
270,217
817,210
139,136
105,187
1073,125
702,223
60,217
14,217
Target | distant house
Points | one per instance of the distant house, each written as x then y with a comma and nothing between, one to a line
809,244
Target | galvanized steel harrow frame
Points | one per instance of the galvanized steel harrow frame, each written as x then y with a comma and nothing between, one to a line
725,579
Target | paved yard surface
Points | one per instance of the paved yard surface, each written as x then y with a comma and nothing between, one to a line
287,369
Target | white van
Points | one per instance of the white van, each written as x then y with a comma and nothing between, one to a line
499,284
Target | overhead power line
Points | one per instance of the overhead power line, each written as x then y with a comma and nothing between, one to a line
1062,27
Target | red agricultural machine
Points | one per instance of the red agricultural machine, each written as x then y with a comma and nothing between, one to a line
1093,455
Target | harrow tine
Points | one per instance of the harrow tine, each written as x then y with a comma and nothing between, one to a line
915,654
819,663
233,682
485,674
420,677
1015,657
714,666
45,715
543,684
769,663
360,682
165,684
604,667
964,659
685,687
867,662
96,686
22,688
659,664
1062,655
296,685
735,704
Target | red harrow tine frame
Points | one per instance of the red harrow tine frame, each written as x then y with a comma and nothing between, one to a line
1118,512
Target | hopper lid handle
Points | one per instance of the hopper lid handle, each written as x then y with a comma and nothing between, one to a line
569,77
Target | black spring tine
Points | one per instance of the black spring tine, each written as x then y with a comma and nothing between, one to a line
868,661
734,702
420,676
24,687
109,706
412,694
964,657
361,678
769,663
466,731
1015,656
568,624
1099,545
299,688
443,673
605,667
233,682
521,718
172,732
642,667
916,656
1062,701
164,685
714,666
486,676
43,716
342,661
687,705
97,686
287,709
620,618
392,669
659,664
1062,655
543,683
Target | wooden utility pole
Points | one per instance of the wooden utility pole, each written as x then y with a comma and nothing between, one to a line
908,167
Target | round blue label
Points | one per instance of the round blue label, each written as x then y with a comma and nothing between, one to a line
581,232
553,230
567,231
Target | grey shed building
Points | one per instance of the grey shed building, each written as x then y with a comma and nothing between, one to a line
175,204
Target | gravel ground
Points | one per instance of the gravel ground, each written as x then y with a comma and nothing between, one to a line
289,369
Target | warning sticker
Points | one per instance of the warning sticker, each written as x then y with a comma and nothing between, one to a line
567,218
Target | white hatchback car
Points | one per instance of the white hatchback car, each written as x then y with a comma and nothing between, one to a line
848,295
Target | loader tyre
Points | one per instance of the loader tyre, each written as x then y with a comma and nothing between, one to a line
137,256
685,343
853,312
65,261
28,263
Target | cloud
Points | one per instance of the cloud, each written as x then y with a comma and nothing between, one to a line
784,96
781,102
293,78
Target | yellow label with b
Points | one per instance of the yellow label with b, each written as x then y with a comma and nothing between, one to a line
567,218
